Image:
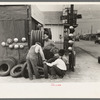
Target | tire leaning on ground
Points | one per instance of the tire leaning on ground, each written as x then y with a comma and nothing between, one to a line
16,70
24,71
36,36
6,65
45,71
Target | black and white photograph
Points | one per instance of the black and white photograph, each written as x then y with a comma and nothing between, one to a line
52,43
44,43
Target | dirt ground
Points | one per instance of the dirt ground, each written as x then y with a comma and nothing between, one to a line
87,69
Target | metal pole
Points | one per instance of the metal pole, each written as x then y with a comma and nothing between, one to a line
71,55
71,17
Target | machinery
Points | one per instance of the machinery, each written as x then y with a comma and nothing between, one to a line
69,18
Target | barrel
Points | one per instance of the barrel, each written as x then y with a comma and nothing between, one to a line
6,65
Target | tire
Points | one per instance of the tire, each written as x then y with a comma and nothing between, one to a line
40,62
16,70
45,71
24,71
40,70
36,36
6,65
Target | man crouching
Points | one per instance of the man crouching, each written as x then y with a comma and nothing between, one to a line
32,59
59,66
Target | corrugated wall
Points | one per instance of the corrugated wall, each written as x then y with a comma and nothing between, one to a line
12,23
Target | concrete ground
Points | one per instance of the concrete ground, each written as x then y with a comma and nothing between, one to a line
87,69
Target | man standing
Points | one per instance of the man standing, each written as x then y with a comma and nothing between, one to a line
32,59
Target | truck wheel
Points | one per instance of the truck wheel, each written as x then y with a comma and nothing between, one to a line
25,71
40,70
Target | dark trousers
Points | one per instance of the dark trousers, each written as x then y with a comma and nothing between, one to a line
50,61
56,71
32,68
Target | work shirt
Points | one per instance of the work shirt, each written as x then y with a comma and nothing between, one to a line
59,63
49,44
34,50
65,59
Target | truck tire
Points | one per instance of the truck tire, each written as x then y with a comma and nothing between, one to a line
24,71
16,70
36,36
45,71
6,65
40,70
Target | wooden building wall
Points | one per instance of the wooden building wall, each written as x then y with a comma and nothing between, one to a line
13,23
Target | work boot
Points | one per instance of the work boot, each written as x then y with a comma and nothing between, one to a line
61,76
31,78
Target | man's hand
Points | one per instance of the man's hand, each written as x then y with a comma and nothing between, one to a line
44,61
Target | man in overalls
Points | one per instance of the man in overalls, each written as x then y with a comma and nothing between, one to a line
32,59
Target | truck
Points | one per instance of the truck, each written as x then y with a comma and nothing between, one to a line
97,40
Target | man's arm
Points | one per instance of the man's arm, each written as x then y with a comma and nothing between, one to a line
52,64
42,54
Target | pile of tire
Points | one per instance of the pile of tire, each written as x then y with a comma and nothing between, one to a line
41,70
10,66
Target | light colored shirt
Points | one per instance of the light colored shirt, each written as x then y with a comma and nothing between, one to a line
65,59
38,49
59,63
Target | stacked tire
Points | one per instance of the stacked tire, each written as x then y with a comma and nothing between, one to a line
36,36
